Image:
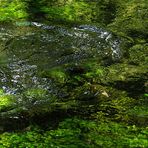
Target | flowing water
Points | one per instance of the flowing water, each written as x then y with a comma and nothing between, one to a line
28,49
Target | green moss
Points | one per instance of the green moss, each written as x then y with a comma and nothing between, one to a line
35,93
75,133
146,95
57,74
12,10
138,54
69,11
132,16
139,111
5,100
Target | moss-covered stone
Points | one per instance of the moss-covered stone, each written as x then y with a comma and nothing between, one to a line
57,74
6,101
35,93
132,17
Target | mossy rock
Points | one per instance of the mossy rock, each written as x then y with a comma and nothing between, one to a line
6,101
35,93
138,55
132,16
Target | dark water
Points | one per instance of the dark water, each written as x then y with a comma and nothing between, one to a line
29,49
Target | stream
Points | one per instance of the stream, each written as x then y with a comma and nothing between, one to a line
29,49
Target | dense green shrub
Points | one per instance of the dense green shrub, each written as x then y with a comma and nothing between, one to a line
79,133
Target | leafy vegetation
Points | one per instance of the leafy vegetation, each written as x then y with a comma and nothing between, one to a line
76,132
